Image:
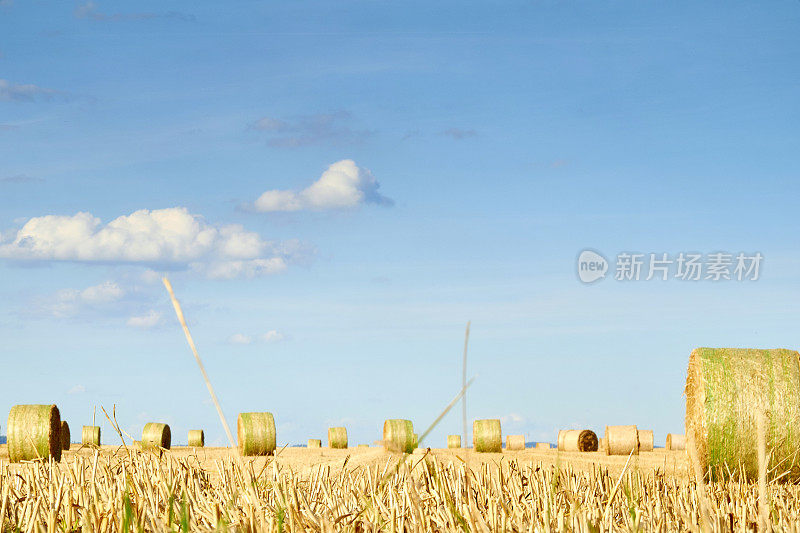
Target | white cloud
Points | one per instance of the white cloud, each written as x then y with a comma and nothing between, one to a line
15,92
273,336
150,319
70,302
512,419
77,389
171,235
344,185
240,338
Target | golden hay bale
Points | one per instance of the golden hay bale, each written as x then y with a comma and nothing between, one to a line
579,440
486,435
726,389
399,436
65,436
363,446
197,438
33,432
646,440
515,442
454,441
314,443
542,445
675,442
90,435
337,437
601,445
156,435
256,433
560,441
621,440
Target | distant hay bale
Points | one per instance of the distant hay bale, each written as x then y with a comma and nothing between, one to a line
363,445
454,441
542,445
601,445
621,440
399,436
314,443
156,435
675,442
560,441
646,441
726,389
90,435
197,438
579,440
515,442
34,432
65,436
486,436
337,438
256,433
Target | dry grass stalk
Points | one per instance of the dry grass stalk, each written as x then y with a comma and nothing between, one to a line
487,436
34,432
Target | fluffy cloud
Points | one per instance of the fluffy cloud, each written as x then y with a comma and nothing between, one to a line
71,302
344,185
148,320
163,236
268,337
14,92
77,389
273,336
240,338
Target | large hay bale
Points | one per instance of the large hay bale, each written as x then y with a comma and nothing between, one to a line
90,435
398,436
33,432
646,440
726,389
486,435
675,442
256,433
337,438
580,440
622,440
197,438
314,443
542,445
65,436
560,441
454,441
515,442
156,435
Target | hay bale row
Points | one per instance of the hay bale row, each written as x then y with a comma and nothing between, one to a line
646,441
454,441
675,442
90,435
155,436
337,438
197,438
34,432
314,443
727,390
542,445
399,436
487,436
515,442
256,433
579,440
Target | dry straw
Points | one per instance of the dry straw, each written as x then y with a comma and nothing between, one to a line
486,435
601,445
314,443
454,441
646,440
90,435
65,436
580,440
337,438
34,432
542,445
515,442
725,389
675,441
197,439
398,436
256,433
622,440
156,435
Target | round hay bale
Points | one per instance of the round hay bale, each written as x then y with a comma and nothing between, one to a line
34,432
398,436
621,440
337,438
580,440
542,445
646,441
65,436
363,445
601,445
197,438
560,441
90,435
675,442
314,443
454,441
256,433
726,388
515,442
486,435
156,435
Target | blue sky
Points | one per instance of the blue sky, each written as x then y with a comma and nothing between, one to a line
335,189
